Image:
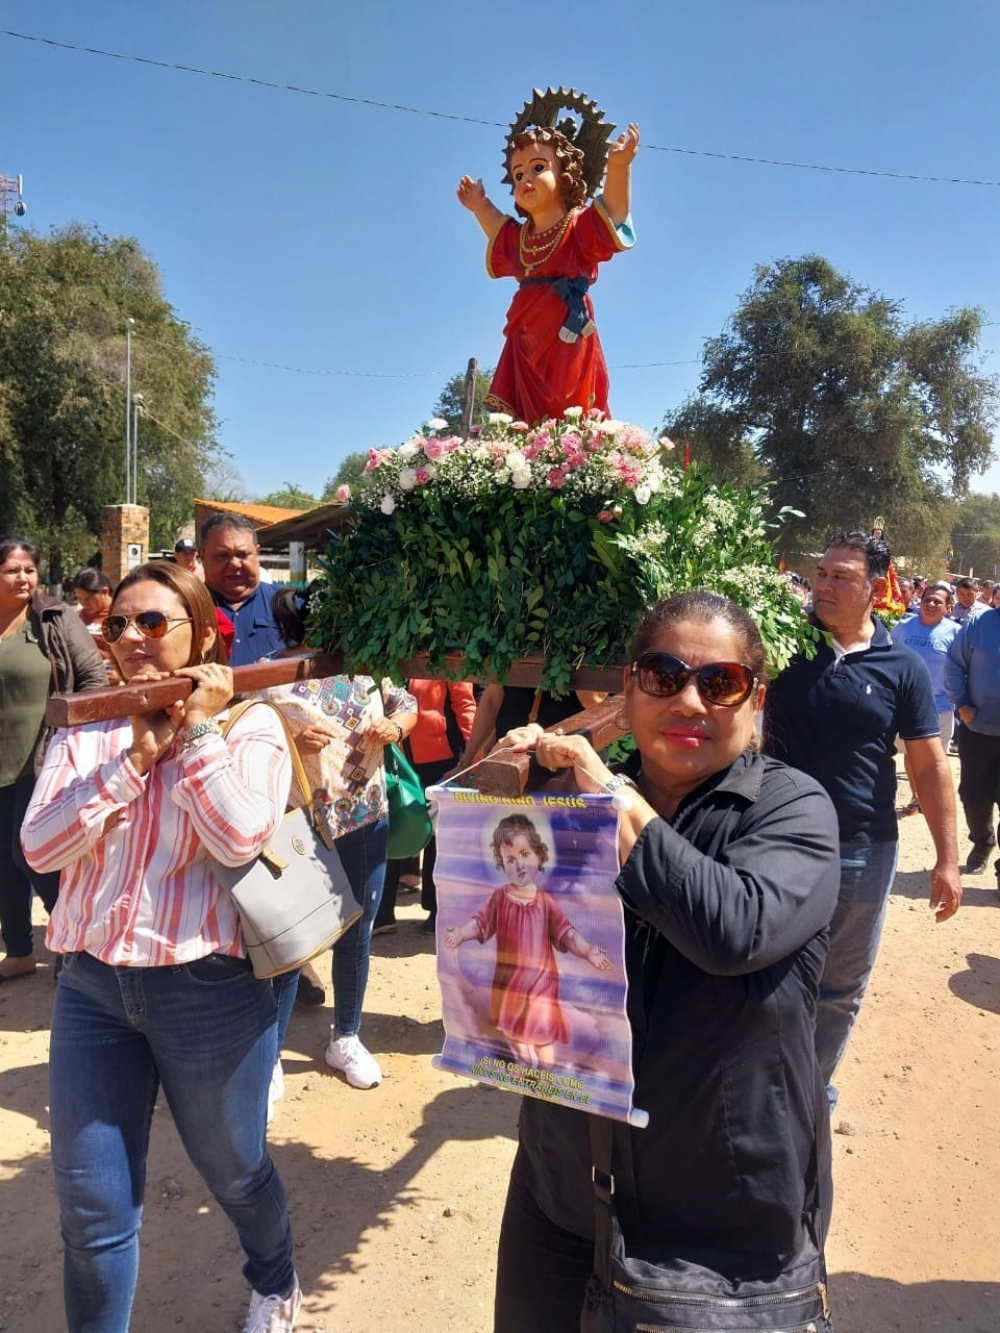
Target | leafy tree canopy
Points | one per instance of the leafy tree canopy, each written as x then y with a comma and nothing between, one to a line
975,536
64,300
349,473
852,411
289,496
449,406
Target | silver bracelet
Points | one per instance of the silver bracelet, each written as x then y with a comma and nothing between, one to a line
195,733
614,783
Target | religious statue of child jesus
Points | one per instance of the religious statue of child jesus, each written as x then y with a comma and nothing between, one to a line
552,357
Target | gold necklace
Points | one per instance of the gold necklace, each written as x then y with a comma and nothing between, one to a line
545,250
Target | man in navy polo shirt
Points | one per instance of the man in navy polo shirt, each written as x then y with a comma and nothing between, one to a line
972,680
227,544
836,718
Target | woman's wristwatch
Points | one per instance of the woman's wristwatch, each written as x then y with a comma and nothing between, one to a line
615,783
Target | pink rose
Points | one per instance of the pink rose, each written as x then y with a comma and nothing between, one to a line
556,478
521,427
434,449
423,476
343,495
605,516
375,458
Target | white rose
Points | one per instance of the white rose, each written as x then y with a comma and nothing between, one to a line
516,461
388,504
612,427
437,423
642,495
573,412
521,480
500,418
407,479
408,450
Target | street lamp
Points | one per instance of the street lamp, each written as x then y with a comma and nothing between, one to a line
129,325
138,405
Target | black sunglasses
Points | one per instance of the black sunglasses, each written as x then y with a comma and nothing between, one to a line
150,624
723,684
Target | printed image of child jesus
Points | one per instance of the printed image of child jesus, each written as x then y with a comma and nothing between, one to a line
528,926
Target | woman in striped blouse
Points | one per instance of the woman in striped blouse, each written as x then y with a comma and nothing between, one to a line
155,990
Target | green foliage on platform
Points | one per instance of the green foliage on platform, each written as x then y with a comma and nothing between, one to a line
549,540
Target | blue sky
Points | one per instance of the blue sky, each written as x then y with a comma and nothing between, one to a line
325,235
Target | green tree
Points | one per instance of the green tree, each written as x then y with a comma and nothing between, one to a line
64,300
975,535
348,474
852,411
289,496
718,440
449,406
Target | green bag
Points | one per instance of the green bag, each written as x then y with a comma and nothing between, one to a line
410,825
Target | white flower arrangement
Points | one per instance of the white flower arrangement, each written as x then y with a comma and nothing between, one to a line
577,455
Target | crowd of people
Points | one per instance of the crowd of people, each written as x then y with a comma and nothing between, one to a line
758,843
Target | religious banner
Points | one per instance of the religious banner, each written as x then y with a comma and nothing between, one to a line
530,948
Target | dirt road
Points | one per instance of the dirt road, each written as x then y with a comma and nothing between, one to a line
397,1193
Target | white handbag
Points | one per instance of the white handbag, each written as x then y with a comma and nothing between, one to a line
294,898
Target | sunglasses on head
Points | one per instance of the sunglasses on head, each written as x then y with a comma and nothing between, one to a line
723,684
150,624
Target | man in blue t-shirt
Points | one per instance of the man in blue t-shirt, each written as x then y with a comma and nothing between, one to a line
227,545
929,633
972,679
836,717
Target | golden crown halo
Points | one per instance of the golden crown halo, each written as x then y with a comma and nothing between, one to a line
585,128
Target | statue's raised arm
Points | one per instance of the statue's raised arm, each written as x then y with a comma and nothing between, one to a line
552,357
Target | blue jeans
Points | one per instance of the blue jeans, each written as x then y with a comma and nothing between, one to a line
205,1031
866,874
362,852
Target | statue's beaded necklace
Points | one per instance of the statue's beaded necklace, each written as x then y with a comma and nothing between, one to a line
533,257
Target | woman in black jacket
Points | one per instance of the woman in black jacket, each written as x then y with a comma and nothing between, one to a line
729,878
43,647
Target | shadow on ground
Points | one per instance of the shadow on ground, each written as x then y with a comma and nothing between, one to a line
863,1304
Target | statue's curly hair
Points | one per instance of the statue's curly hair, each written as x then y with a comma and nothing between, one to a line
569,160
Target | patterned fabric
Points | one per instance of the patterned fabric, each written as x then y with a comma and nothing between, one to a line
349,773
140,894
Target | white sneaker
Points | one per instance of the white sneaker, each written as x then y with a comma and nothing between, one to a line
273,1314
358,1064
277,1089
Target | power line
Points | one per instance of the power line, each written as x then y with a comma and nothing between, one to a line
275,86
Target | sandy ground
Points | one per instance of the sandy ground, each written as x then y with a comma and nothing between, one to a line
397,1192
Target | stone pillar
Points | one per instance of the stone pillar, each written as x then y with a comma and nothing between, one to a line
124,539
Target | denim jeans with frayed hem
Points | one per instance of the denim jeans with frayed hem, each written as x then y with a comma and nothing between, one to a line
867,871
205,1033
363,853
